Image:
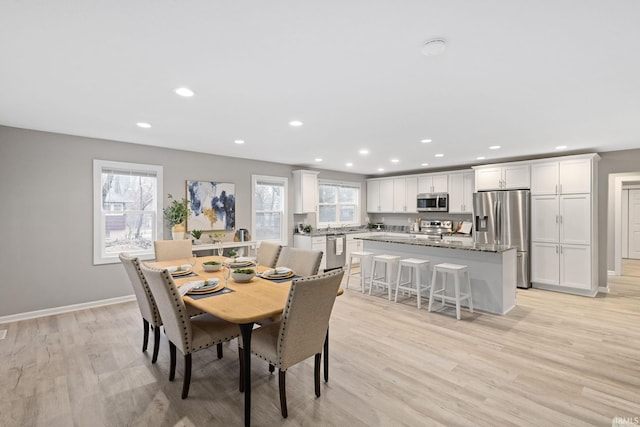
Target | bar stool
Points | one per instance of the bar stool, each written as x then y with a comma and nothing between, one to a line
457,271
414,267
390,264
365,260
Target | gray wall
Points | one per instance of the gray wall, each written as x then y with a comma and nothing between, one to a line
46,187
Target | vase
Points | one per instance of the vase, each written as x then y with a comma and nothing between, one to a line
177,231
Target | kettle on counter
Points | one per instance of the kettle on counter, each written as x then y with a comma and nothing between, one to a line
242,235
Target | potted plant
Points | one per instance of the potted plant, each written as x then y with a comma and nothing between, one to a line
176,215
196,236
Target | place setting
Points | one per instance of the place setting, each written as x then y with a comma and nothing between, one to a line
204,288
278,274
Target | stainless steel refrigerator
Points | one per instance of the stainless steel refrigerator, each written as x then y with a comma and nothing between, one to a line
502,218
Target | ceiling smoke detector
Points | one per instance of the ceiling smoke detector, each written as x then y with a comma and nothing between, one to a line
434,47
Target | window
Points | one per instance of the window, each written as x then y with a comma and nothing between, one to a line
338,204
127,210
269,218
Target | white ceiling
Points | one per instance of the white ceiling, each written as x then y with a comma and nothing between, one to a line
527,75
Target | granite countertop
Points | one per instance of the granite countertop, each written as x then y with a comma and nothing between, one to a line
416,241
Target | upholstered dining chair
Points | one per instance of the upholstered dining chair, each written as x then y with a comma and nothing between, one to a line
304,262
188,334
147,305
268,253
167,250
301,332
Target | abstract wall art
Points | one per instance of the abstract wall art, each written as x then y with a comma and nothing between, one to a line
212,205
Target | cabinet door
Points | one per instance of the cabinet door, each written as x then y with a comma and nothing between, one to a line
373,196
545,267
545,219
412,195
467,191
425,184
309,192
575,270
517,176
575,176
456,193
488,178
386,195
399,195
440,183
544,178
575,219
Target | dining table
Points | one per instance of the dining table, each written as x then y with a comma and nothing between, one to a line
241,303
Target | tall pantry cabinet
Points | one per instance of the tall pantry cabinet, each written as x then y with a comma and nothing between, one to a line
564,224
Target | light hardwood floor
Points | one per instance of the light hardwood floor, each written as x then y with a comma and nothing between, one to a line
555,360
631,267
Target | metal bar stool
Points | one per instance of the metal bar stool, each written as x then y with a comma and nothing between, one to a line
457,271
414,285
364,259
389,263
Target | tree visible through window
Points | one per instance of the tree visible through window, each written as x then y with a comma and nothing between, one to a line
126,209
269,208
338,204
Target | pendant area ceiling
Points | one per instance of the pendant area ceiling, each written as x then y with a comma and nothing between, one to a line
527,76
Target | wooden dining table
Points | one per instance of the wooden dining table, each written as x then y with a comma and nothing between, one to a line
249,302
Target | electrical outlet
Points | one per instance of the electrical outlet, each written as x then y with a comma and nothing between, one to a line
3,334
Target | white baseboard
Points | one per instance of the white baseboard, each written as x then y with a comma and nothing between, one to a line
603,289
611,272
65,309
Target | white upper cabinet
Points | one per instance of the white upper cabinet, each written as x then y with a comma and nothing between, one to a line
461,192
561,177
503,177
380,197
436,183
405,192
305,184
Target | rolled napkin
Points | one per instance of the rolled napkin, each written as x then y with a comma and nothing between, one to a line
175,268
195,284
283,270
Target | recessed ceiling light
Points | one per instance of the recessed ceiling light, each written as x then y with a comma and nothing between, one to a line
349,164
318,159
394,160
494,147
561,147
480,158
424,164
380,169
425,141
433,47
364,151
184,91
439,155
239,141
143,125
295,123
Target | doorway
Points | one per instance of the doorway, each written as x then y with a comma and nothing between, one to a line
624,207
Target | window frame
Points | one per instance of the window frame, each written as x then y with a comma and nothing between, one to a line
284,181
358,203
99,256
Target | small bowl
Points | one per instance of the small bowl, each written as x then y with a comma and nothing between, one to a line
211,267
242,277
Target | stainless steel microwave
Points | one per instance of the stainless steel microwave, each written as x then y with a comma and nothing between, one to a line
433,202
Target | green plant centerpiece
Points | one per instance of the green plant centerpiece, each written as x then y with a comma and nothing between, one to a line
176,215
196,234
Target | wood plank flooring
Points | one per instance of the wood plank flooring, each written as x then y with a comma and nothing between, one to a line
555,360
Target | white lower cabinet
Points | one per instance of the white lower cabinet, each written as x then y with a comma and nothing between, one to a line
561,265
316,243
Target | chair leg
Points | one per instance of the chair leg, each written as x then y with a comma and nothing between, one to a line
316,374
172,361
219,348
145,336
271,368
187,375
326,357
283,393
241,360
156,344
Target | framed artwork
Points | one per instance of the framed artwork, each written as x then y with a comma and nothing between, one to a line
212,205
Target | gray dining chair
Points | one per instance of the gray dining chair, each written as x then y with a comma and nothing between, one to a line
188,334
167,250
146,303
304,262
302,330
268,253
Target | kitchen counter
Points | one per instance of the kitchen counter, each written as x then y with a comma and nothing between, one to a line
444,243
492,268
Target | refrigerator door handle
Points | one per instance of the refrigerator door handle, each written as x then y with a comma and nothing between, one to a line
498,223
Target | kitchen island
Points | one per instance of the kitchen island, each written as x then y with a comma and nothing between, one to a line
492,268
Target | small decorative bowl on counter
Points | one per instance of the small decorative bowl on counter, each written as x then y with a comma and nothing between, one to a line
211,266
242,275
